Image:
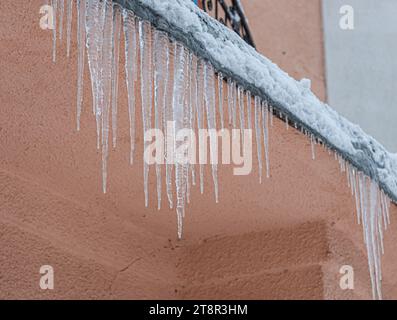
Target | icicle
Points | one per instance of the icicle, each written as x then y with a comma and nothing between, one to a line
313,147
257,115
230,99
209,88
234,105
286,123
240,100
366,226
200,112
54,30
187,121
179,115
373,234
81,7
190,121
357,197
69,26
387,208
106,67
94,42
265,125
362,203
220,99
342,164
146,92
188,117
379,220
115,69
158,98
193,99
249,107
130,31
168,116
271,115
350,178
61,13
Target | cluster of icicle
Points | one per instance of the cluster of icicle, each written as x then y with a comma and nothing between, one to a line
175,85
373,212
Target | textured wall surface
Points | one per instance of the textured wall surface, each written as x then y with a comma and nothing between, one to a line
286,238
361,66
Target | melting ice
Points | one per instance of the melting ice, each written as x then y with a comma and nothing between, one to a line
177,86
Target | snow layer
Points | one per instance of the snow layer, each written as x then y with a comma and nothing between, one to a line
210,40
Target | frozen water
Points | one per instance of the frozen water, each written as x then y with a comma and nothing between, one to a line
181,89
95,14
115,69
69,26
61,4
54,4
130,37
81,7
209,92
220,99
145,43
257,115
106,75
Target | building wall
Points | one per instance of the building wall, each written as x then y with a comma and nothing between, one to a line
290,34
361,66
293,231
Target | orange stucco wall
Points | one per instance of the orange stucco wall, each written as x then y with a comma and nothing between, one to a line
286,238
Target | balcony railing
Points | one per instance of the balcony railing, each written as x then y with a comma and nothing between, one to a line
231,14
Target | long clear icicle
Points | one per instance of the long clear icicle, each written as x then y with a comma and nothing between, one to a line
146,92
265,126
94,42
220,99
106,75
69,26
249,112
257,116
209,90
130,32
115,69
189,119
61,14
240,101
234,105
167,117
81,9
193,101
229,99
366,228
159,88
375,235
178,114
54,4
200,112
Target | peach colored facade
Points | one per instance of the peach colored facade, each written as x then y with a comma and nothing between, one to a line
284,239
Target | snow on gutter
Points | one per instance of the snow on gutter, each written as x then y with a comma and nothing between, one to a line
229,54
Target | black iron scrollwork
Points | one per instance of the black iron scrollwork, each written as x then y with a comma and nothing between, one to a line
231,15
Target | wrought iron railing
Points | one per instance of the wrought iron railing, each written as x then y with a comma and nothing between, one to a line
231,14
